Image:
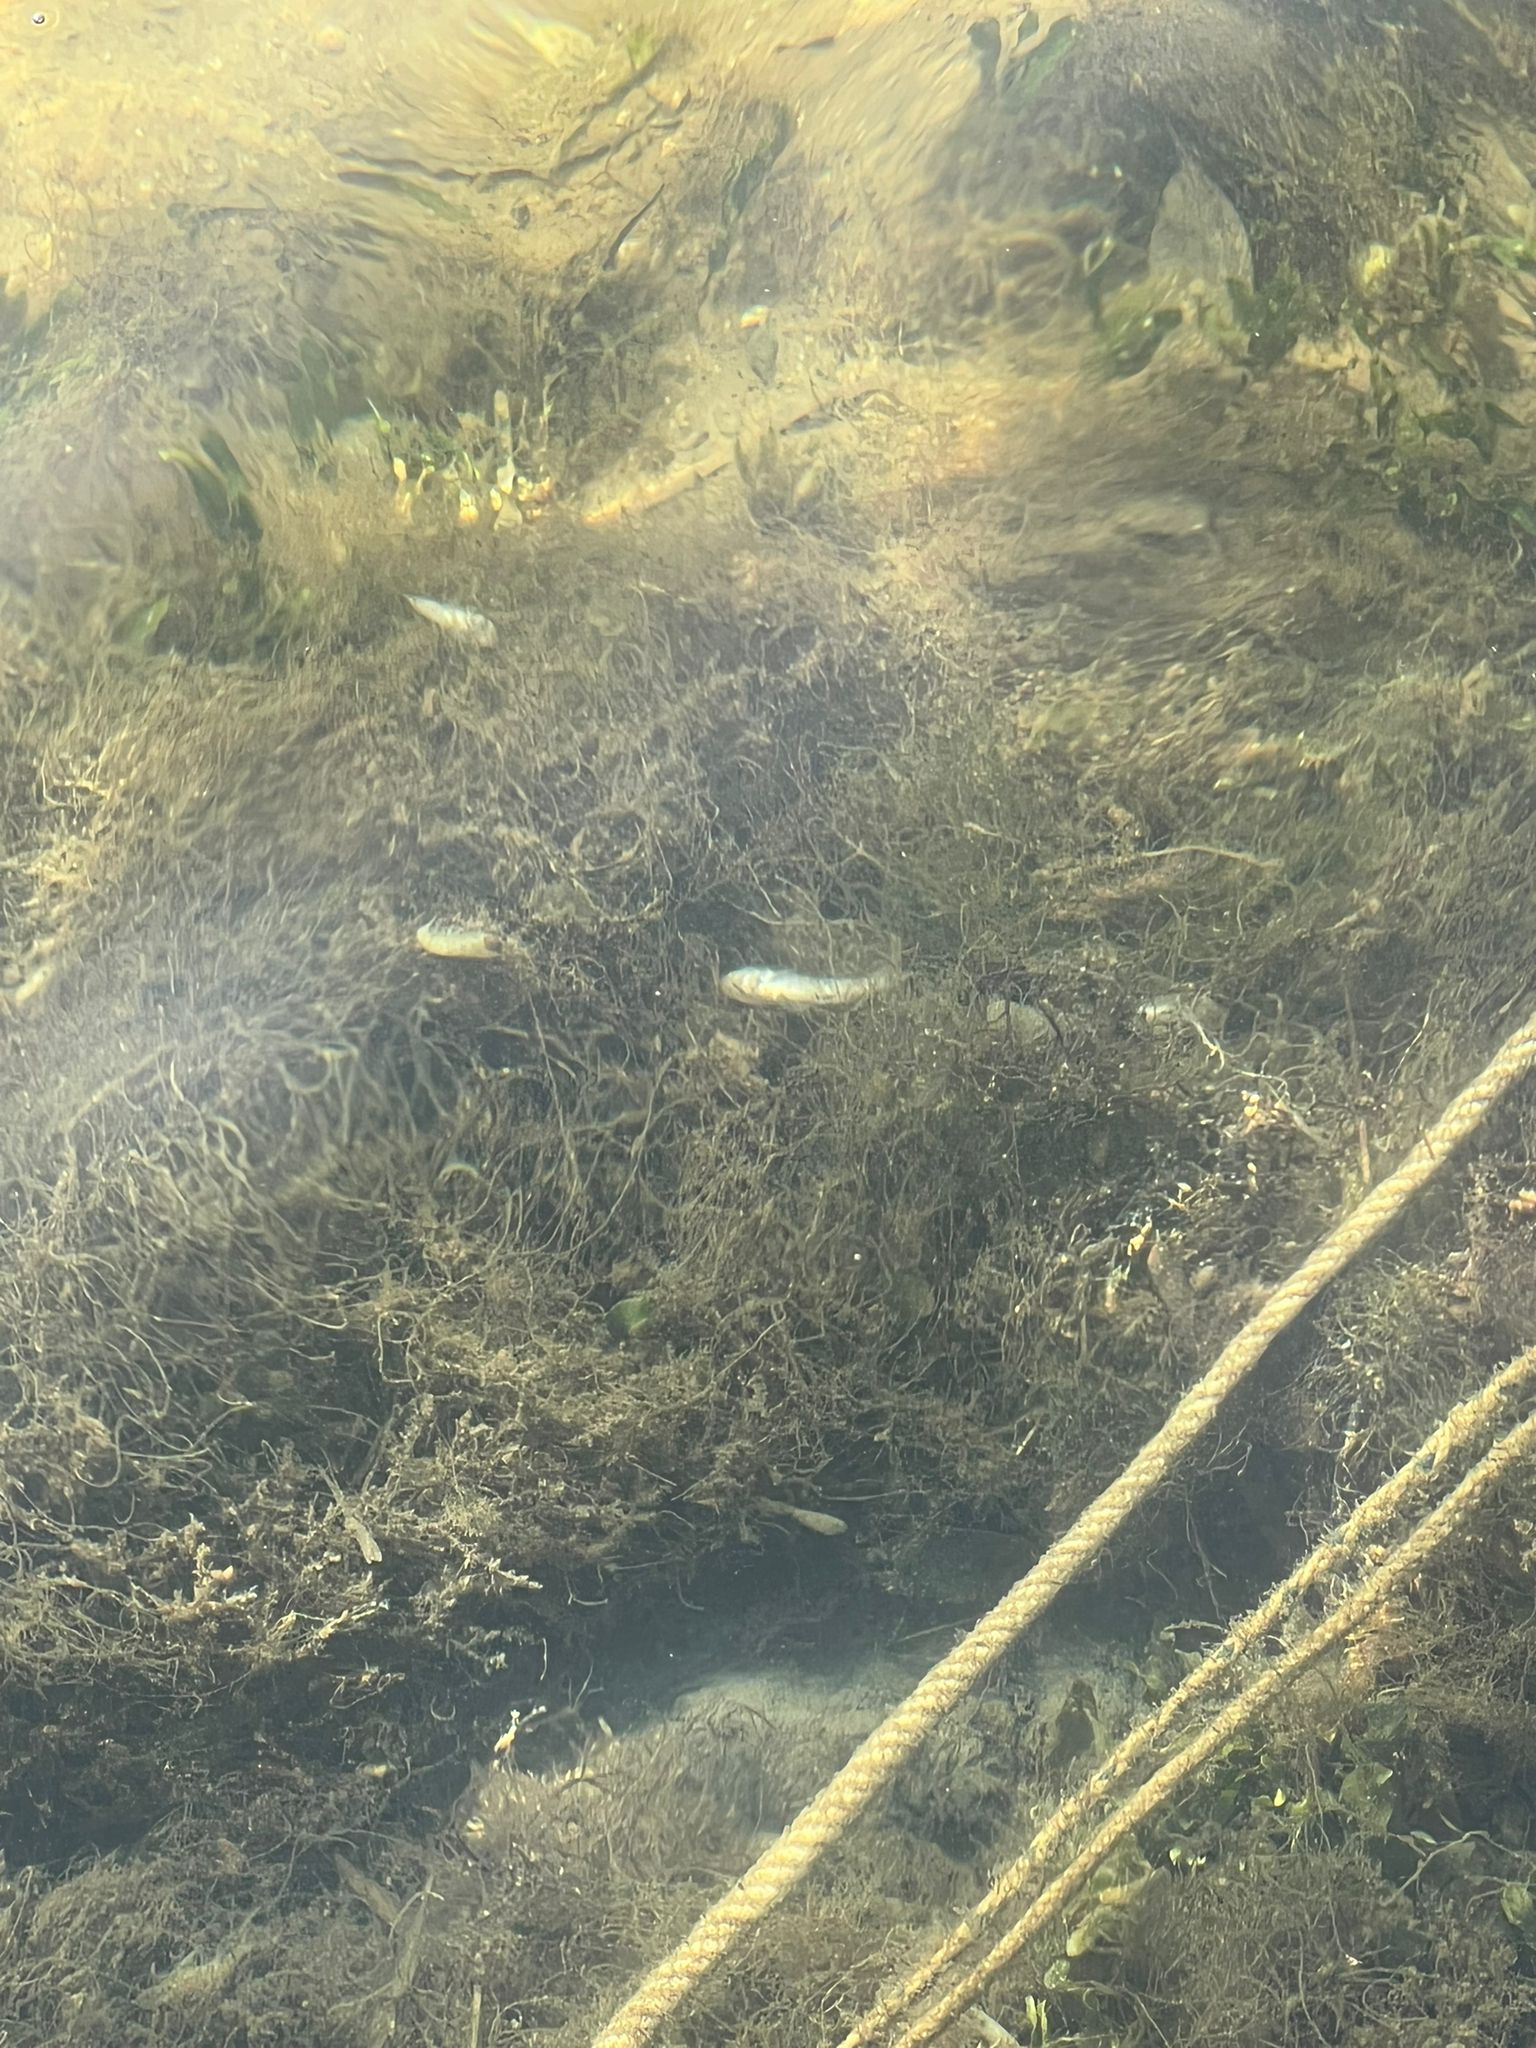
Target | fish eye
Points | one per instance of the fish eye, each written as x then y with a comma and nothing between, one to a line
39,19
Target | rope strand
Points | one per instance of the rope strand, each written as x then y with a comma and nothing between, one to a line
1410,1556
1367,1519
878,1759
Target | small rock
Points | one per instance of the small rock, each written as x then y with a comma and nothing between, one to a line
1198,238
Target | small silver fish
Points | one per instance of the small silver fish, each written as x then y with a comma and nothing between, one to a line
458,619
782,988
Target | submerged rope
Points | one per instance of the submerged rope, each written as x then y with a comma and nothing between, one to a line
1334,1552
881,1755
1410,1556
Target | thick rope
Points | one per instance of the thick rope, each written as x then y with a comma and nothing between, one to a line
1466,1422
881,1755
1410,1556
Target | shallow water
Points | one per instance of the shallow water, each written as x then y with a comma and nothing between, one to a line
516,527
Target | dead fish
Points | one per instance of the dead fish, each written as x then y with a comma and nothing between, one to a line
813,1519
447,941
559,42
459,619
782,988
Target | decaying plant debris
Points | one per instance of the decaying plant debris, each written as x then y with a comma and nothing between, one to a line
897,556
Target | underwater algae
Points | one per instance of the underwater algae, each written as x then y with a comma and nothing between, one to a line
453,1362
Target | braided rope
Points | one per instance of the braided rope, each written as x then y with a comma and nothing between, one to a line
1332,1554
1410,1556
882,1754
